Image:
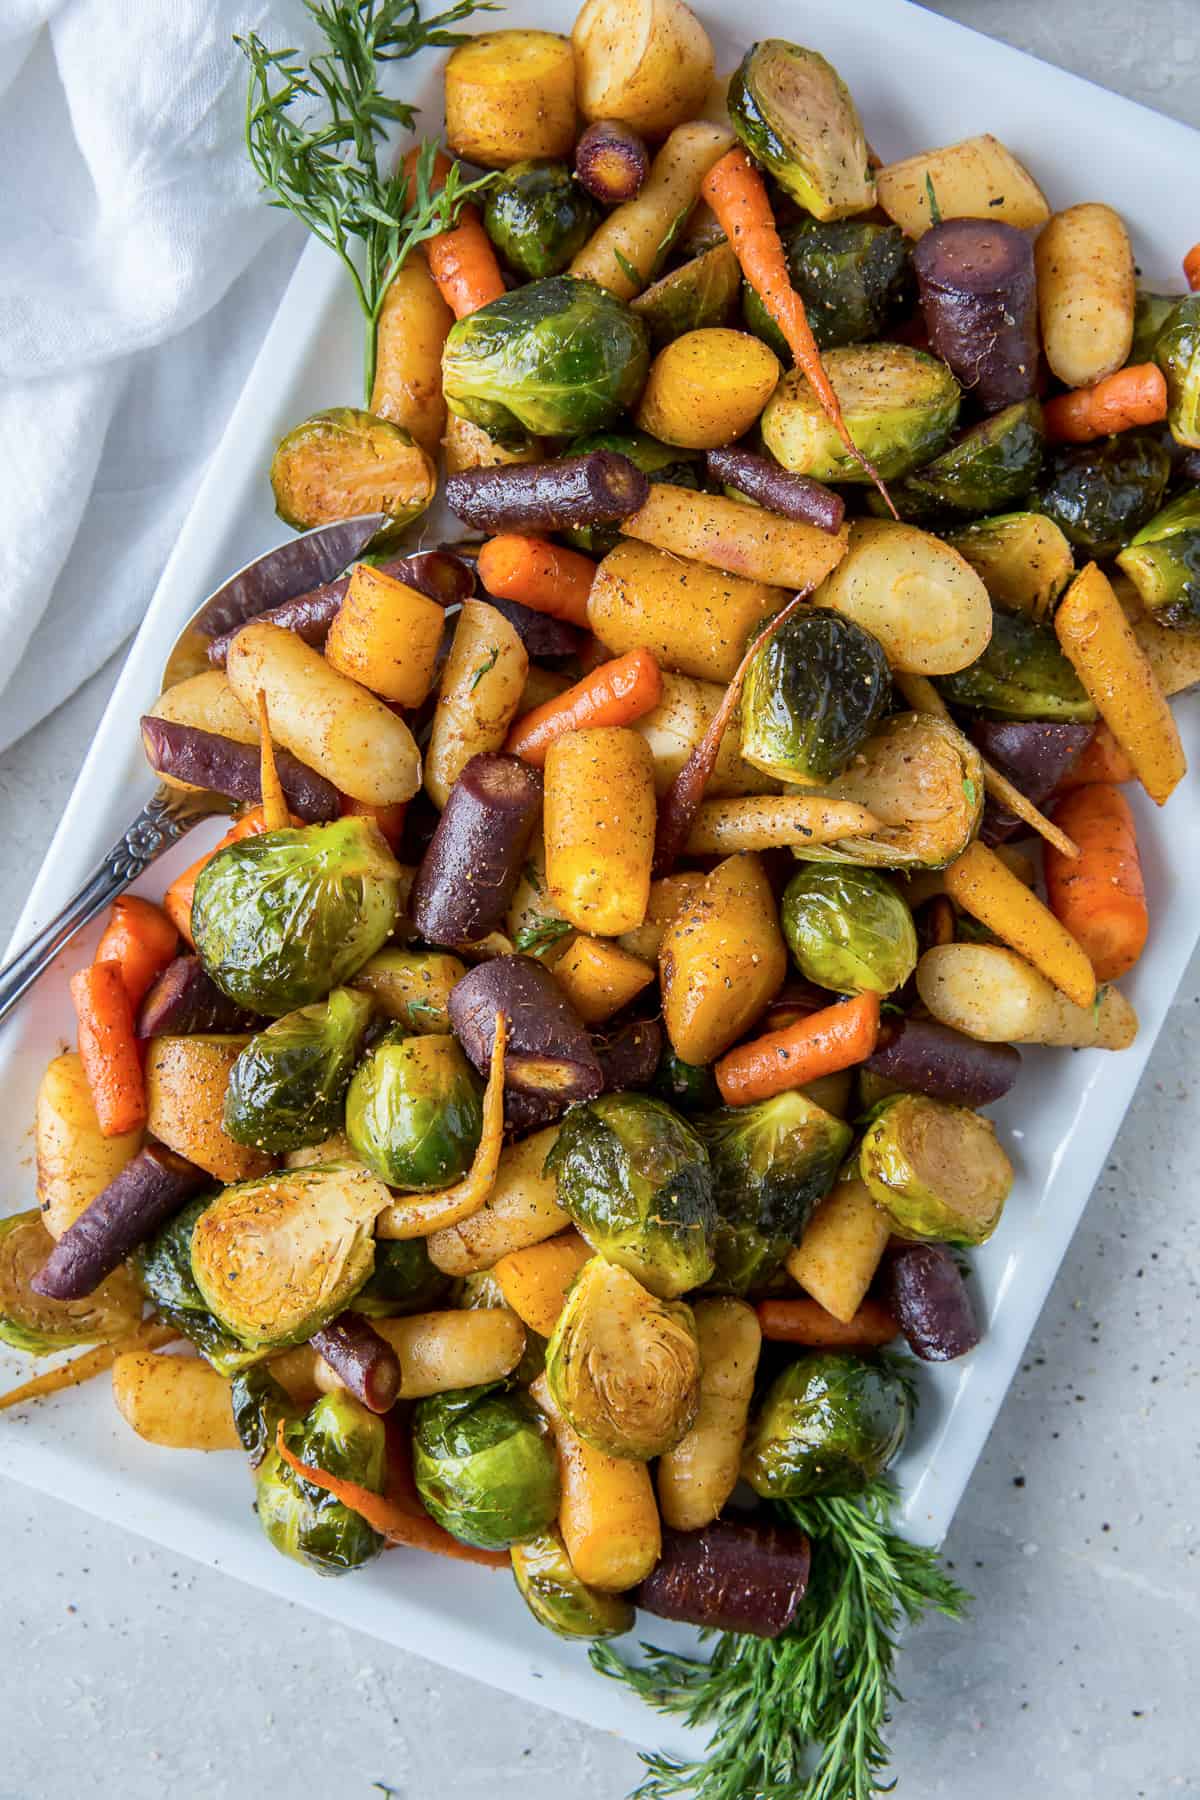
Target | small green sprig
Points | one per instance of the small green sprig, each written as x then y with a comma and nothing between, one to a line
802,1716
315,132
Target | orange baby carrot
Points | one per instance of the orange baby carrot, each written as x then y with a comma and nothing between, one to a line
1099,896
177,901
461,260
390,819
1133,396
108,1048
835,1038
807,1322
141,939
1102,759
616,693
539,574
1191,267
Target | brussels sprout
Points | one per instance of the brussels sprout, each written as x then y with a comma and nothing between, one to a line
623,1367
163,1267
1177,353
812,694
412,986
1100,494
538,216
559,357
698,295
287,1087
414,1112
993,464
658,462
1022,558
280,919
558,1599
39,1326
772,1162
795,116
1163,563
936,1169
828,1424
635,1179
849,929
1021,675
405,1281
485,1465
900,406
1150,314
688,1087
923,781
339,1436
344,462
277,1258
855,278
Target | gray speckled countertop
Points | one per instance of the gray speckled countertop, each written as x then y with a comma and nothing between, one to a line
133,1675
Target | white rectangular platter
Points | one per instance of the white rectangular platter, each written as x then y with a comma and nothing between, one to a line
918,81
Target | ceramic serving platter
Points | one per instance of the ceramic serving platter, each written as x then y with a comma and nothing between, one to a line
918,81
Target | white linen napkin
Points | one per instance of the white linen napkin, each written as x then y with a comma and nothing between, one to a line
139,268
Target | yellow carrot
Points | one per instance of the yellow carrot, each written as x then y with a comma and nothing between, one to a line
979,882
607,1515
534,1281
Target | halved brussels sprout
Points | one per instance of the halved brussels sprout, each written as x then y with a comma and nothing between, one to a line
558,358
1150,314
828,1424
923,781
337,1435
900,406
658,462
813,693
1177,353
1163,563
993,464
414,1111
636,1181
1100,494
280,919
849,929
287,1087
412,986
695,297
772,1163
1021,675
345,462
622,1366
854,276
405,1281
39,1326
163,1266
275,1259
793,112
538,216
485,1465
937,1170
558,1599
1022,558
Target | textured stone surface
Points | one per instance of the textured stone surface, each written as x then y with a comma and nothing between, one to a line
130,1674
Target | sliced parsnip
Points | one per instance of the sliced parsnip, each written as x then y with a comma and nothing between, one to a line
75,1161
443,1350
648,63
921,599
625,254
522,1209
478,696
1087,290
178,1402
208,703
993,994
977,178
696,1478
676,726
739,539
694,620
186,1078
836,1258
767,821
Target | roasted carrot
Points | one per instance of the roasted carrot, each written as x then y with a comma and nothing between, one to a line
108,1048
806,1322
150,1336
419,1214
177,901
1191,267
981,884
1100,897
461,260
274,806
835,1038
539,574
390,819
141,939
1102,759
1133,396
616,693
737,194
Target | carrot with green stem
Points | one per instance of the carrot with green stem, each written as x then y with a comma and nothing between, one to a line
1100,897
737,194
543,576
617,693
108,1048
461,260
837,1037
141,939
1134,396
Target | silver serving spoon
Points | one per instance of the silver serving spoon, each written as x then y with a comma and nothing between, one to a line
281,574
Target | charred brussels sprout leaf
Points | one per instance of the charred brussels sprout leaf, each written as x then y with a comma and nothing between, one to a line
1150,314
1100,494
485,1465
849,929
345,462
855,278
624,1367
1177,353
1021,675
40,1326
658,462
828,1424
772,1162
287,1087
559,357
276,1259
414,1112
635,1179
164,1268
338,1436
538,216
937,1170
405,1281
695,297
280,919
814,691
900,406
1163,563
558,1599
924,782
794,114
993,465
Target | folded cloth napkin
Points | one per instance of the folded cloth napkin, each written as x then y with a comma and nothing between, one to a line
139,267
